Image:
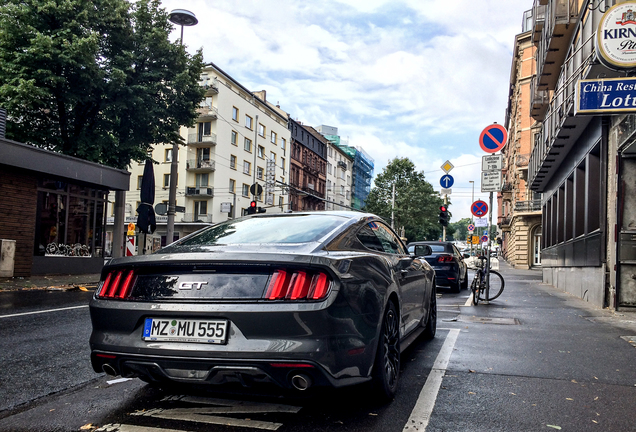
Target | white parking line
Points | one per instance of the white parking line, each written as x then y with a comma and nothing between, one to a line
469,302
43,311
421,414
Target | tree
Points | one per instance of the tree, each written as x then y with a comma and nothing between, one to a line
98,80
458,230
416,203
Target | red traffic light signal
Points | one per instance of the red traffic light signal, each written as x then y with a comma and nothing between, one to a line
252,208
442,208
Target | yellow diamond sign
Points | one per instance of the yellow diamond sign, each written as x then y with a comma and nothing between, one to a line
447,166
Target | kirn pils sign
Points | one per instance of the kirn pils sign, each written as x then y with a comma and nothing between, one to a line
616,37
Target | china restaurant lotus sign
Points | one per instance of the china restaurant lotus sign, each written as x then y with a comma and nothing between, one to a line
616,37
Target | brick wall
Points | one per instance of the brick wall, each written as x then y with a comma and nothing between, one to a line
18,206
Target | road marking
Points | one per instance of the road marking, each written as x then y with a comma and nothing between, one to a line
43,311
421,414
198,415
116,427
222,406
469,302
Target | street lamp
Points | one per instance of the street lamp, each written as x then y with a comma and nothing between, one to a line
183,18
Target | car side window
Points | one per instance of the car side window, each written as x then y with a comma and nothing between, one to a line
368,238
389,241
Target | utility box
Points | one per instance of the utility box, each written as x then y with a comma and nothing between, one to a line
7,257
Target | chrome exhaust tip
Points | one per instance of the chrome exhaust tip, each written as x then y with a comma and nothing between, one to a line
109,369
301,382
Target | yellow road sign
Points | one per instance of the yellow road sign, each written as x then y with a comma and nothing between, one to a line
447,166
475,240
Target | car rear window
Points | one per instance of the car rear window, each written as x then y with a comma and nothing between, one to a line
301,228
437,248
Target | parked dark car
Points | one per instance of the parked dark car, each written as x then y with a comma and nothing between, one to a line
448,263
295,299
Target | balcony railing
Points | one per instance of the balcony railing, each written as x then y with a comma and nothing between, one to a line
192,217
200,191
528,206
343,165
200,165
504,221
195,138
207,111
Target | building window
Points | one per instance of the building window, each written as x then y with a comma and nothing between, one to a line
166,180
139,182
167,156
202,180
283,143
69,225
233,162
232,185
247,145
259,173
248,122
247,167
272,156
234,138
261,152
235,114
273,137
200,208
246,190
282,163
261,130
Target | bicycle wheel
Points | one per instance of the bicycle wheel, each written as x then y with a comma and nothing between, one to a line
496,287
474,287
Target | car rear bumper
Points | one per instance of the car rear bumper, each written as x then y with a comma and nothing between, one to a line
446,277
217,371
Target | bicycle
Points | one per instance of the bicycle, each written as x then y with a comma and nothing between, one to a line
478,286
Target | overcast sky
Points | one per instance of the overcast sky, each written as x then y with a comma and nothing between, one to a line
415,78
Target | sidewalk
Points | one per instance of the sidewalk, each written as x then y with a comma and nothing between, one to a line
52,282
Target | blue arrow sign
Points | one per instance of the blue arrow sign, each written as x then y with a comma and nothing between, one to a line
446,181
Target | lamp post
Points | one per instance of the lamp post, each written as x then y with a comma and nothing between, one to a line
183,18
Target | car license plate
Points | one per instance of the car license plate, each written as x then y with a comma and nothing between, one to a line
185,330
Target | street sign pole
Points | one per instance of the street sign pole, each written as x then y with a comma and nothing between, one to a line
443,227
490,234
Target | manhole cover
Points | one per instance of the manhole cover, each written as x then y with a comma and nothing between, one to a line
488,320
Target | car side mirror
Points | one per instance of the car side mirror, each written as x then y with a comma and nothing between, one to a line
466,255
423,250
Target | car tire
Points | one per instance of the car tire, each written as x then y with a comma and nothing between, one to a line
431,322
386,370
455,287
465,281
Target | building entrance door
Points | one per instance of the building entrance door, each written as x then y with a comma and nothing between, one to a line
626,284
536,247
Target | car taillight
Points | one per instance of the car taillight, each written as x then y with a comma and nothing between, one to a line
297,285
445,258
117,285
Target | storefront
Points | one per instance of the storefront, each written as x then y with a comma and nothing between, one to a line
54,208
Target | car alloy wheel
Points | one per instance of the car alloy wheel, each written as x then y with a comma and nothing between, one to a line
431,323
387,368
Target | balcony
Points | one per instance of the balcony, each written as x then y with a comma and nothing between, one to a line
205,192
201,140
343,165
504,221
540,100
193,217
200,165
528,206
521,161
207,112
211,87
559,23
311,192
538,20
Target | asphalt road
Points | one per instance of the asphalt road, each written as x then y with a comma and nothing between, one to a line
535,359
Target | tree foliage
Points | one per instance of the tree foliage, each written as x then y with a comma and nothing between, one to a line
416,203
98,79
458,230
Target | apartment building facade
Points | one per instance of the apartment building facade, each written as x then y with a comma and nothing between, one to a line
308,168
238,131
519,207
583,160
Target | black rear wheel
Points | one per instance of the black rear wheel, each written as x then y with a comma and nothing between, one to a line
387,360
431,322
464,284
496,286
475,288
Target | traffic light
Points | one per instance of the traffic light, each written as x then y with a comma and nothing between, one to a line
252,208
443,215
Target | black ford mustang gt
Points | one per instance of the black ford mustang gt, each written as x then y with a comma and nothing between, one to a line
296,299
